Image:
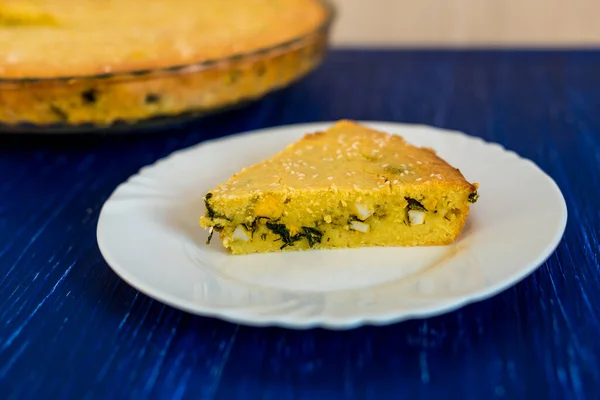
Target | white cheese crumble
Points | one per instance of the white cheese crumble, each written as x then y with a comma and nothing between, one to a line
416,217
362,212
240,233
359,226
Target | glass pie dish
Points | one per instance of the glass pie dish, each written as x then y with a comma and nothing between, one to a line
140,98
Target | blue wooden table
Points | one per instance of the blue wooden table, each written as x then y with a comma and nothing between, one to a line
69,328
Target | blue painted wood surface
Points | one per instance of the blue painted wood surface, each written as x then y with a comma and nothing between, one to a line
69,328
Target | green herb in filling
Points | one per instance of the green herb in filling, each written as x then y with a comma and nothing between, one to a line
414,205
152,98
312,235
473,197
59,112
284,234
251,228
212,231
89,96
209,210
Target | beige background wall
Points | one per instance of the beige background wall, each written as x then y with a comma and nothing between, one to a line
467,22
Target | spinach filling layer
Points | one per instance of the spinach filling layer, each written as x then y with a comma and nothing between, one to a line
312,235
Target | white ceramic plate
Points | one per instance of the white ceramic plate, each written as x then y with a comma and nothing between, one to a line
149,234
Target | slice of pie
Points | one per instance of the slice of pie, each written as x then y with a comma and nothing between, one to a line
349,186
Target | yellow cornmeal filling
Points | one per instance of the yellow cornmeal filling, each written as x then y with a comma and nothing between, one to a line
347,187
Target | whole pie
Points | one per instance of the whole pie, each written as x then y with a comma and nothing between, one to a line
92,61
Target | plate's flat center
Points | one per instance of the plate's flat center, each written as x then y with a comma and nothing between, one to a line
327,270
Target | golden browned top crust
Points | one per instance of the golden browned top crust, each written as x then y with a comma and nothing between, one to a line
348,156
54,38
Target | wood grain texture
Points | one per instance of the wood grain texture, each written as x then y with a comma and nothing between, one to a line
467,22
70,328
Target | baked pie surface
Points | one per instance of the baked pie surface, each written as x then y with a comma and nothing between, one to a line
98,62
